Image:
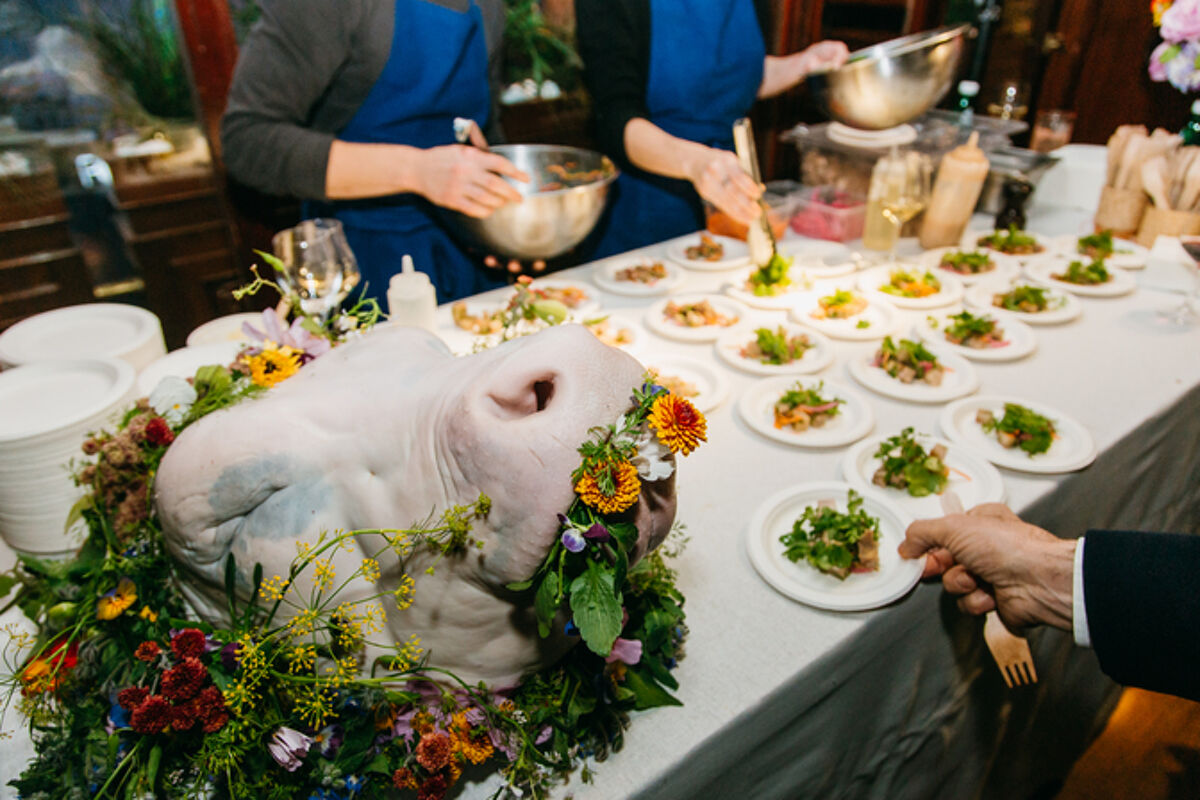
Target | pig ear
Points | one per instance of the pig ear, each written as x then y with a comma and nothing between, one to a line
518,395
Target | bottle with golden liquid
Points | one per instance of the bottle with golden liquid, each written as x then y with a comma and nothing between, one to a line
878,231
955,192
899,191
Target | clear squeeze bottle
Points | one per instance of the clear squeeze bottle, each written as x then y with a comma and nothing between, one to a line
412,299
955,192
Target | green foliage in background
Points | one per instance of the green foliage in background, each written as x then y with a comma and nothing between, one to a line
535,49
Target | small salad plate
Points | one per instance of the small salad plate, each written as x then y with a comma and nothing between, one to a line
1001,267
1043,270
1072,448
800,581
739,347
1126,255
971,477
1017,340
853,421
1060,306
784,297
580,300
877,318
733,253
614,331
958,379
1042,244
695,380
667,317
637,276
880,282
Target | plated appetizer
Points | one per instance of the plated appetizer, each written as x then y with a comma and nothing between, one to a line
1027,299
1020,427
777,347
834,542
673,383
907,466
903,283
709,249
1012,242
700,314
800,408
771,279
573,297
484,323
610,333
842,304
1097,246
908,361
1081,274
978,332
967,262
646,274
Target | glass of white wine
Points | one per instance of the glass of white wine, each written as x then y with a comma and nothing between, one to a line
318,265
906,193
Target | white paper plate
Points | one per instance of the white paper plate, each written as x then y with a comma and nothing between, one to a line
800,581
971,239
711,386
91,330
729,349
1020,337
818,259
1074,449
1126,255
617,323
224,329
184,362
605,276
709,333
1041,270
737,254
980,296
585,309
879,315
38,399
972,478
1005,267
855,420
959,379
950,293
737,289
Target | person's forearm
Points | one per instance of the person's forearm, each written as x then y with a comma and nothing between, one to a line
651,148
779,75
358,170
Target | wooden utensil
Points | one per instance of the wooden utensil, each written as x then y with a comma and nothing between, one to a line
1154,181
760,238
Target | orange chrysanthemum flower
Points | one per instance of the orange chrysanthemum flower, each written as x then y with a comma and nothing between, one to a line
626,487
272,366
474,743
678,423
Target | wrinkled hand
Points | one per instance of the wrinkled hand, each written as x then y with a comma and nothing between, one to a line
467,179
720,180
822,56
993,560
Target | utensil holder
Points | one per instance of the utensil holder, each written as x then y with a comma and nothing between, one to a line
1166,222
1120,210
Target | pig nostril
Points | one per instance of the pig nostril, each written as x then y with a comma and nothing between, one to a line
543,390
524,398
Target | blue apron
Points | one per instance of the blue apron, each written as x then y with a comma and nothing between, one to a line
437,70
706,64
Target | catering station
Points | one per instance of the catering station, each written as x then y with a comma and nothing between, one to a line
660,523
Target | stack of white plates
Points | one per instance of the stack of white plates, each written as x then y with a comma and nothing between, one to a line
105,330
46,412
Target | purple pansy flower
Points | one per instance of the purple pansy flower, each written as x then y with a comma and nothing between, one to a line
572,540
330,739
274,334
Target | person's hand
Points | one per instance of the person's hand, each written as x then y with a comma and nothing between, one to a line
720,179
993,560
467,179
822,56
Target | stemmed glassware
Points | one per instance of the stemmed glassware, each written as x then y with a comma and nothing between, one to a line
1187,313
905,190
318,265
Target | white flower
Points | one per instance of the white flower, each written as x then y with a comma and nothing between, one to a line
654,461
173,398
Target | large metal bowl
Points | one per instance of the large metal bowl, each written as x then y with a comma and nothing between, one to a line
548,221
892,82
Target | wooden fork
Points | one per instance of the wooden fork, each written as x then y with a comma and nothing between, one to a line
1011,652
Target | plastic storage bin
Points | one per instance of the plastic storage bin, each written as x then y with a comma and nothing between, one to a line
826,212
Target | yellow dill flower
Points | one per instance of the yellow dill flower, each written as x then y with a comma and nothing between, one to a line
241,698
114,603
272,366
273,588
625,482
678,423
405,591
314,704
303,548
370,570
148,613
324,573
401,544
301,658
375,620
303,623
412,650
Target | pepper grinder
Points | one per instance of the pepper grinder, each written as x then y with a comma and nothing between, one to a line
1016,192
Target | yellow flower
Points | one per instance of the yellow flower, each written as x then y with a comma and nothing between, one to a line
625,482
473,743
405,591
116,601
148,614
273,588
302,658
272,366
678,423
370,570
314,704
324,573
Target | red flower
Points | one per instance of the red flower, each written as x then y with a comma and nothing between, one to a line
47,671
433,751
147,651
158,432
184,680
152,716
183,717
131,698
403,778
188,643
433,789
209,707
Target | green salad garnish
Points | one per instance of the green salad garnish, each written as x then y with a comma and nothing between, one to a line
906,465
1020,427
1098,245
1011,241
1091,274
777,347
906,359
1030,299
862,324
771,278
909,284
966,262
834,542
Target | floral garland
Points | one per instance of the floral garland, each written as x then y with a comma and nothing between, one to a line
1177,58
128,696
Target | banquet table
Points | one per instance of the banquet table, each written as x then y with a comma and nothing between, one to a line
781,700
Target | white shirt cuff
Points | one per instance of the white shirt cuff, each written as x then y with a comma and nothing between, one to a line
1083,637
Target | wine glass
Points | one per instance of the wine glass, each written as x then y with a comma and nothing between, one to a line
906,191
318,266
1186,315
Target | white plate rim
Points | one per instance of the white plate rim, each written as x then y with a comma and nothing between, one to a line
676,252
950,293
155,369
1007,267
979,296
1122,282
993,355
200,334
656,324
823,354
799,313
711,400
1022,462
1136,257
861,371
777,384
145,324
122,374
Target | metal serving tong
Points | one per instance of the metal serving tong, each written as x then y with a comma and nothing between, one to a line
759,238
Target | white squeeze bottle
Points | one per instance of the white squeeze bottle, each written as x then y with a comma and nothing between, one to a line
959,181
411,298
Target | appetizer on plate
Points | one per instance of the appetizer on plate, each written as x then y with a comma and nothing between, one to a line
1078,273
834,542
842,304
906,465
708,249
978,332
573,297
799,408
700,314
1028,299
1097,246
646,274
777,346
484,323
908,361
967,262
905,283
771,279
673,383
611,334
1019,427
1013,242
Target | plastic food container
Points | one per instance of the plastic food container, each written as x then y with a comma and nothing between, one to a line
779,202
826,212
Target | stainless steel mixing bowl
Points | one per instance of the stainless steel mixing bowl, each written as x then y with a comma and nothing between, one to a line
892,82
548,221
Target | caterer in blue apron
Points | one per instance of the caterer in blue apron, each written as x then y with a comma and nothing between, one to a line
350,105
669,78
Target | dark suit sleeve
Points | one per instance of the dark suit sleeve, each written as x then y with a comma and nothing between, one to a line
1142,593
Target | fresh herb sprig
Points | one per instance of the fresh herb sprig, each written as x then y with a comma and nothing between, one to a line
1032,432
832,540
905,464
